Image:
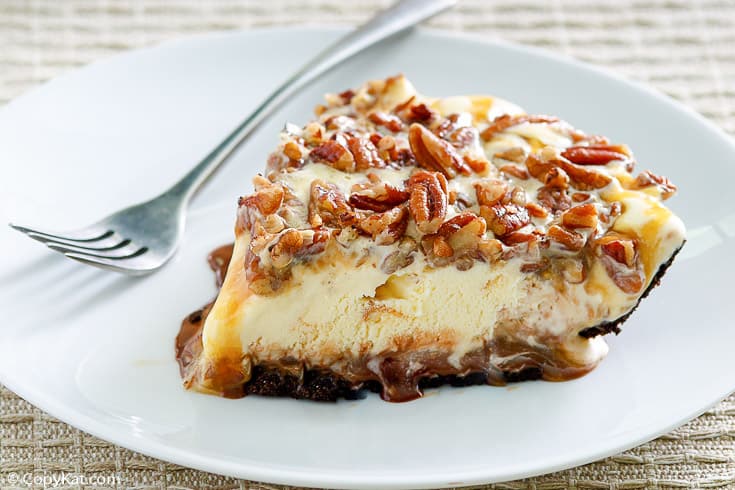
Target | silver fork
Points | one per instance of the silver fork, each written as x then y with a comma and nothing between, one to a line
142,238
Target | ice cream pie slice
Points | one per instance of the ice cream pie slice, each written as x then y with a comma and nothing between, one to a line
399,242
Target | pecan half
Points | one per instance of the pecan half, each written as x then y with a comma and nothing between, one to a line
334,154
428,200
387,227
434,153
378,196
596,154
648,179
328,206
501,123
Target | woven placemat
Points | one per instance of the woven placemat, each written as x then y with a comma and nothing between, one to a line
684,48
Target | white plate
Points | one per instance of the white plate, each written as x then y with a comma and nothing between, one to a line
96,349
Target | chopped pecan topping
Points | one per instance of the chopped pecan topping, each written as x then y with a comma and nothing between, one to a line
387,150
582,216
428,200
556,178
573,270
347,96
398,259
441,248
420,112
537,167
555,200
358,131
340,123
490,249
313,133
620,249
596,154
453,130
490,191
503,219
463,232
284,250
388,121
273,223
517,237
461,201
648,179
619,256
571,240
404,158
267,199
515,154
514,171
334,154
292,151
377,196
387,227
364,153
501,123
478,165
290,245
457,241
410,112
433,153
583,178
328,206
536,211
557,173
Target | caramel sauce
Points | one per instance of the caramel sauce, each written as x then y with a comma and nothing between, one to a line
189,339
219,261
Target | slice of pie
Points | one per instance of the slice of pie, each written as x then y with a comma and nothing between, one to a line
400,242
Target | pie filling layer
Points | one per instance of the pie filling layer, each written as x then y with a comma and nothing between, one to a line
400,242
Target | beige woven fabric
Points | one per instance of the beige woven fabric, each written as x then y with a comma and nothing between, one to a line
685,48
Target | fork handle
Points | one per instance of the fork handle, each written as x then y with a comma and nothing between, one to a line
399,17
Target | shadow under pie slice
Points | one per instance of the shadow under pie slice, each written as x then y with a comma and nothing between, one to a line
400,242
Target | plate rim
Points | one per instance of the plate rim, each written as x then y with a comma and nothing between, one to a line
351,479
